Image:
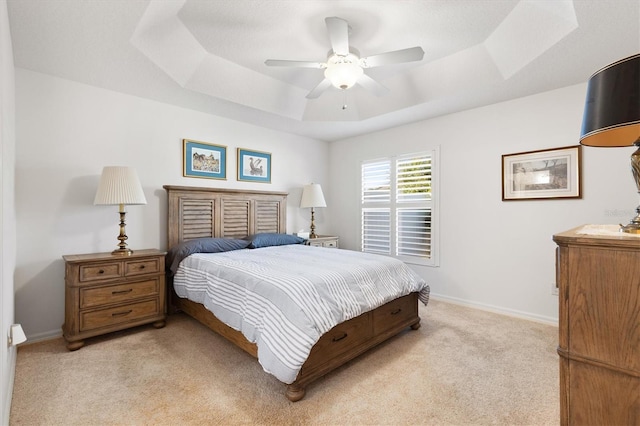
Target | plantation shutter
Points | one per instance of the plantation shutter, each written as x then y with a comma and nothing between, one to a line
413,211
376,220
397,207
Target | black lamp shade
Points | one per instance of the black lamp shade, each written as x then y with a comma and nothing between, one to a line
612,108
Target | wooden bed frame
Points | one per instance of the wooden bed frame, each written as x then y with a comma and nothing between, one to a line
196,212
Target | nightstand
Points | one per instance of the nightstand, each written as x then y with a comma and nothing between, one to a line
330,241
106,292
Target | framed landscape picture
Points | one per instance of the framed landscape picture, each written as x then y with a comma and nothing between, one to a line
204,160
254,166
547,173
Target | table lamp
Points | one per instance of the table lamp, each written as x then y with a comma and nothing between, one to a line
612,115
120,186
312,197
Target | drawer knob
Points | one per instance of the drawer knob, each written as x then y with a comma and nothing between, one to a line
121,314
397,311
338,338
129,290
141,266
101,271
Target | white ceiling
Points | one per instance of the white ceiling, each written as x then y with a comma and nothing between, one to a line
209,55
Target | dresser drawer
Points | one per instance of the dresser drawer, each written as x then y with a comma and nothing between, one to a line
147,266
395,313
91,297
100,271
118,315
342,337
330,244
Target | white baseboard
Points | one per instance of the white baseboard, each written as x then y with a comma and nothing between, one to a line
496,309
47,335
11,362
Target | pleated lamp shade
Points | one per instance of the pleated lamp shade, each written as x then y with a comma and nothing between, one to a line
119,185
312,196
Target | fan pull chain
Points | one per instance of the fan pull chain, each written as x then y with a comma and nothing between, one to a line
344,101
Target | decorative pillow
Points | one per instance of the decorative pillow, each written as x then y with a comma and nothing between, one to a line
201,245
268,240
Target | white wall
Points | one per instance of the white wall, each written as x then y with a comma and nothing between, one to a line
494,255
66,132
7,212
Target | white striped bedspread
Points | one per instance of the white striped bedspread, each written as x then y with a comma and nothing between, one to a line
284,298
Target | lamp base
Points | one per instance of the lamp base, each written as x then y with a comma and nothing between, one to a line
634,226
122,249
312,228
122,252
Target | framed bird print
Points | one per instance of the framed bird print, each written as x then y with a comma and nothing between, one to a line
203,160
254,166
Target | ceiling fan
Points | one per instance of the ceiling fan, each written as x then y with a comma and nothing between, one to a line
344,66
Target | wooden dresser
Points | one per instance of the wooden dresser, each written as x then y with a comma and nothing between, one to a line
599,328
105,293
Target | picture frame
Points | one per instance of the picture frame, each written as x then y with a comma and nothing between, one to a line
254,166
204,160
544,174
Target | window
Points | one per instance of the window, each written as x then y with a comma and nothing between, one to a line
399,207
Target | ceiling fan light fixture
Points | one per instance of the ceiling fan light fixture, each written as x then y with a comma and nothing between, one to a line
344,67
343,71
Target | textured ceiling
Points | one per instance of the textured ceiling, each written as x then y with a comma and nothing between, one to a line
209,55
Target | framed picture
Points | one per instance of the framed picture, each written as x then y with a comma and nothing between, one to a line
254,166
547,173
204,160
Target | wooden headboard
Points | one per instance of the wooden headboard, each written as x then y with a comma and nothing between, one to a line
197,212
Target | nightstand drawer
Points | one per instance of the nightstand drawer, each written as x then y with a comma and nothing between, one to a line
327,241
395,312
118,315
90,297
102,271
141,267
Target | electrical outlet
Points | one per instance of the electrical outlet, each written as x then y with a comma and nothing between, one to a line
554,289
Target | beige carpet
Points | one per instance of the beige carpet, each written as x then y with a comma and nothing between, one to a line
463,366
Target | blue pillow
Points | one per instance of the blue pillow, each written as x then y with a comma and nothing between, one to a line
268,240
201,245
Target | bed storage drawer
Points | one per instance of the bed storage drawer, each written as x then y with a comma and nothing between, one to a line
343,337
395,313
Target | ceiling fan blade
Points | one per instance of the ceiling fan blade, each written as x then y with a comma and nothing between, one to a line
372,85
397,56
338,35
297,64
317,91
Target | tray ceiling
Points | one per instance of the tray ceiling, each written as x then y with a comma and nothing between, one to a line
209,55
